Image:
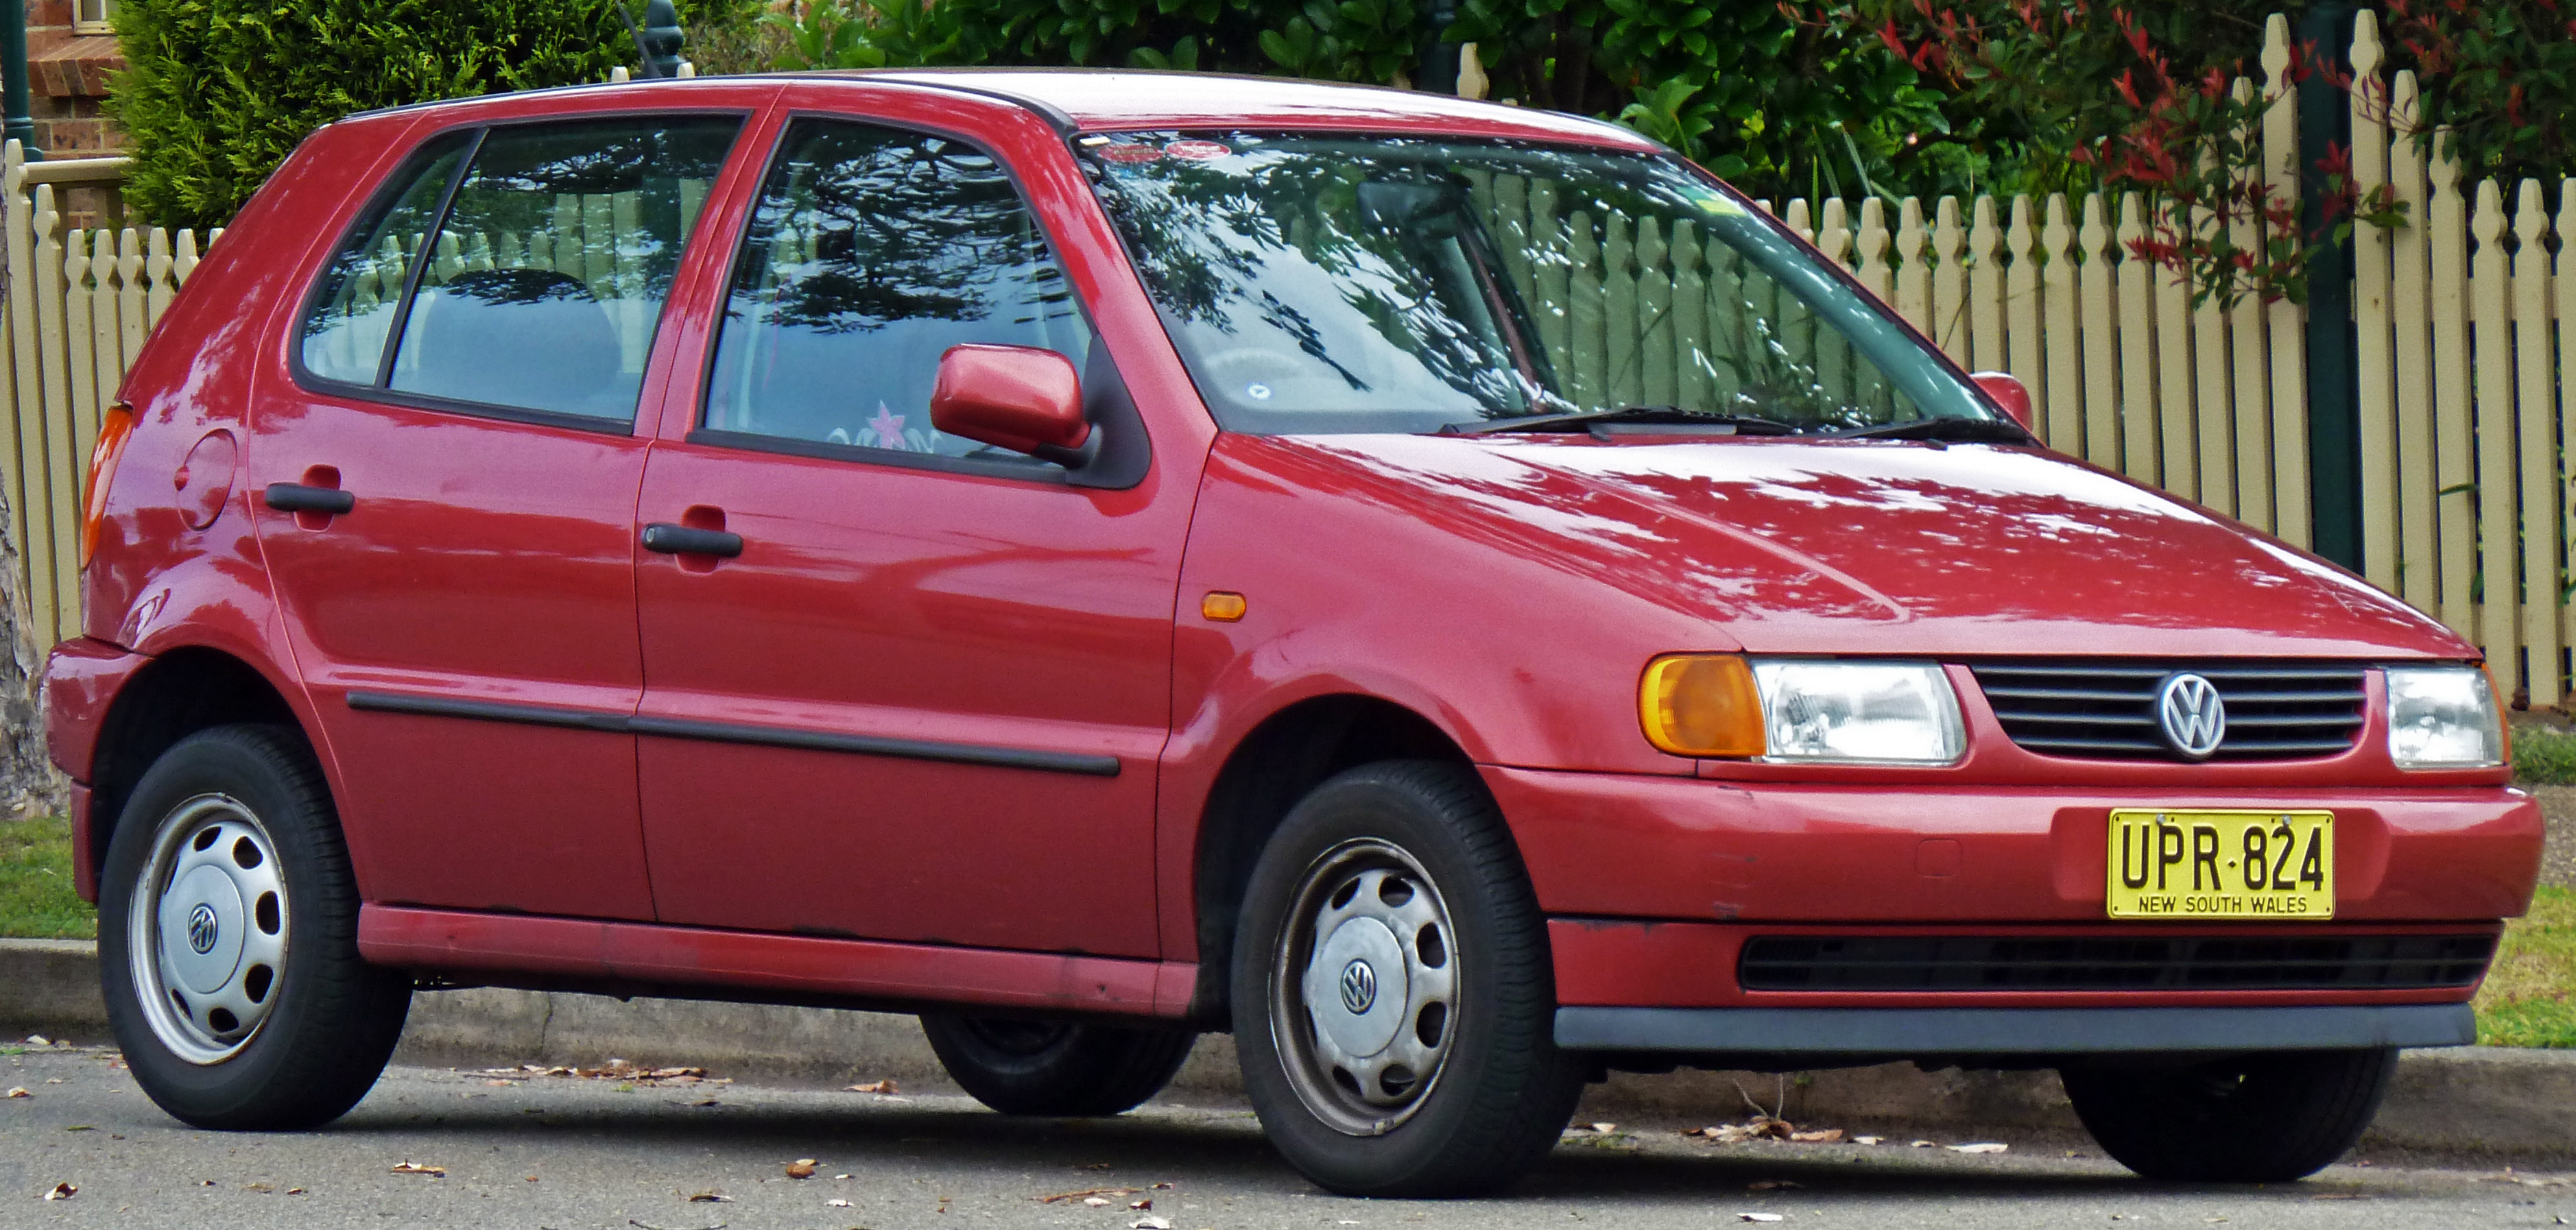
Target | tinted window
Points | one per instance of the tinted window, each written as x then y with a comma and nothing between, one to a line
549,273
344,334
871,253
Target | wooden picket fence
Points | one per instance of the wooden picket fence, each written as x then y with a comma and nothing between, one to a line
2463,318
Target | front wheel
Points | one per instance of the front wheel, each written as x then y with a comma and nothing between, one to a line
1028,1067
2261,1118
1394,1004
227,940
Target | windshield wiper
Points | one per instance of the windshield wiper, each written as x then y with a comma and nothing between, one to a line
1576,420
1947,430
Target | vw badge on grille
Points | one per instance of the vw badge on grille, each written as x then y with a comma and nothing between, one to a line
2191,714
1359,987
201,928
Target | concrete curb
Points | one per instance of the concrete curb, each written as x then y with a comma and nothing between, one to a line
2484,1101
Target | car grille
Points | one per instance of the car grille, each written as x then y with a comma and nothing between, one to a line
1991,963
2100,709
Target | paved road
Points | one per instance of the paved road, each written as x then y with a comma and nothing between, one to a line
564,1152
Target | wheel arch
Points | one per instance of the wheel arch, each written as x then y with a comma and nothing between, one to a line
1269,770
181,691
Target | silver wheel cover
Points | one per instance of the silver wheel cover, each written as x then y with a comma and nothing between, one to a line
1364,987
206,934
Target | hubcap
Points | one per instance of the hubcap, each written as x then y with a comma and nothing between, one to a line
206,937
1364,991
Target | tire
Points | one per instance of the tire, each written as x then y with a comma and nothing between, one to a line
2263,1118
1458,1088
1056,1068
228,940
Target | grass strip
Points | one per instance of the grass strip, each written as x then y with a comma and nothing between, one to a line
36,897
2530,994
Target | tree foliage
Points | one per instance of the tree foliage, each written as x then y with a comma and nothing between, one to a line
216,93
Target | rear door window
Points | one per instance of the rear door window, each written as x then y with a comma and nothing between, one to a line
540,284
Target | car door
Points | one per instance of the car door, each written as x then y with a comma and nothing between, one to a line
924,700
449,483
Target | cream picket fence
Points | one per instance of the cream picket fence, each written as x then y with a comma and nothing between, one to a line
2463,317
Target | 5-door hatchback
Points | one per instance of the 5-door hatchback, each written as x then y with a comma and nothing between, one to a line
1449,593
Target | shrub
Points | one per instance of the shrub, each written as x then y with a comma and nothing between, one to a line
218,92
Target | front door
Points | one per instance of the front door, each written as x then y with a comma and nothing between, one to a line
925,699
450,480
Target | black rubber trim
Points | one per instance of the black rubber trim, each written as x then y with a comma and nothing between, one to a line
1006,466
729,732
1901,1032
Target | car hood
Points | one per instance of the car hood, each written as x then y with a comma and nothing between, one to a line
1802,546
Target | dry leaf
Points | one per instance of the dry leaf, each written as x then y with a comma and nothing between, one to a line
836,1204
435,1172
709,1198
1150,1223
883,1086
1139,1206
259,1187
18,1091
294,1191
1095,1202
62,1191
801,1168
1759,1217
1605,1128
1988,1147
1826,1137
41,1040
1924,1144
1088,1192
1867,1140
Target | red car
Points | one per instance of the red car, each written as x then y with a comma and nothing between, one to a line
1449,593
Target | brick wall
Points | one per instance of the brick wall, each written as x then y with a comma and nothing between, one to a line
67,81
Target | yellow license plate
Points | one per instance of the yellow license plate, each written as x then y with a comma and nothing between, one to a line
2220,864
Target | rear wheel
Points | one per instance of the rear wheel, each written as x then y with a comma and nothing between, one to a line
2262,1118
228,940
1394,1005
1022,1067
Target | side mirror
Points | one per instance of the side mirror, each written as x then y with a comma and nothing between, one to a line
2004,387
1021,398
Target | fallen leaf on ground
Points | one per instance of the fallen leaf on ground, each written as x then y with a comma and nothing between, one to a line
709,1198
1867,1140
1139,1206
259,1187
80,1127
435,1172
39,1040
294,1191
1150,1223
1758,1217
801,1168
1825,1136
1095,1202
1924,1144
1087,1193
18,1091
1982,1147
1771,1185
883,1086
62,1191
836,1204
1605,1128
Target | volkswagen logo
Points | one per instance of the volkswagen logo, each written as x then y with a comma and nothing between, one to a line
202,928
1359,987
2191,714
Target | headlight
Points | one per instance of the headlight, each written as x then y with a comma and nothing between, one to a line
1722,705
2443,717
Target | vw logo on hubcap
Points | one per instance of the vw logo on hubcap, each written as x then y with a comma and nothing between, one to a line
202,929
2191,714
1359,987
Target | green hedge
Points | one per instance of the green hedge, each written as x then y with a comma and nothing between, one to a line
218,92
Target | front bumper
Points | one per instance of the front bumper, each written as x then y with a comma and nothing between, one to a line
1861,1034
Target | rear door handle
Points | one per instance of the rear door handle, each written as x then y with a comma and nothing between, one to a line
296,497
671,539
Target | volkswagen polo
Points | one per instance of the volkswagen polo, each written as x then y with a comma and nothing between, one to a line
1451,594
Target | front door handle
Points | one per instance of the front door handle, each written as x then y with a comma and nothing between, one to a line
671,539
296,497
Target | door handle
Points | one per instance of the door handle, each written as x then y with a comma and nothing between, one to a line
671,539
296,497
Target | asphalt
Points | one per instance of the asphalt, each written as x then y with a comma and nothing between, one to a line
564,1152
2558,851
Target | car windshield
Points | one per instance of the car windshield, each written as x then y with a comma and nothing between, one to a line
1323,283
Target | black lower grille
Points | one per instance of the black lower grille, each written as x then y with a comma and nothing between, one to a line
2100,708
2045,963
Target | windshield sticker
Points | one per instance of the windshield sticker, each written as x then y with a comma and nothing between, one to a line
1196,151
1133,154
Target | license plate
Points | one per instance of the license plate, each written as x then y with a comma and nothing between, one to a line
2220,864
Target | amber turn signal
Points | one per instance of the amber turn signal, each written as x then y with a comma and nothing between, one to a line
114,429
1701,704
1223,607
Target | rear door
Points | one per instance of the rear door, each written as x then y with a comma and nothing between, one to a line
925,700
450,479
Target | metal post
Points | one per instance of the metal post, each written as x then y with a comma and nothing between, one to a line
2334,358
16,123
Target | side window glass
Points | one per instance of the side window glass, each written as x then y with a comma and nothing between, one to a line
344,333
873,251
546,279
